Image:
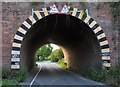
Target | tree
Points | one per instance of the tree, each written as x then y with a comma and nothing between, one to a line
56,55
43,52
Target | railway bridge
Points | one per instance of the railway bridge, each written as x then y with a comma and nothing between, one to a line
84,41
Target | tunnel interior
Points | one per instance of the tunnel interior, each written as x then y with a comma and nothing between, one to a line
77,41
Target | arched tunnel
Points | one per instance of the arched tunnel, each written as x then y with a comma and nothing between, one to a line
77,41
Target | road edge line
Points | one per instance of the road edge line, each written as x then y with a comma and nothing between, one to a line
35,76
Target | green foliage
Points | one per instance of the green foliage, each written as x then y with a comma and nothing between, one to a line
21,75
5,73
110,77
114,8
43,52
56,55
84,5
62,63
13,77
98,6
114,75
36,3
9,83
97,75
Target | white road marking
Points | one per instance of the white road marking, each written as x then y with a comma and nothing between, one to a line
35,75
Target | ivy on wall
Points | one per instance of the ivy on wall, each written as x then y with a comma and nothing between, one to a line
36,3
98,6
84,5
114,10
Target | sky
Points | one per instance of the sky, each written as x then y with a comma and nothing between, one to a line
54,47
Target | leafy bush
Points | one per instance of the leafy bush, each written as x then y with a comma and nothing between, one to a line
56,55
114,75
98,6
13,77
114,9
43,52
109,77
97,75
9,83
21,75
62,63
5,73
53,57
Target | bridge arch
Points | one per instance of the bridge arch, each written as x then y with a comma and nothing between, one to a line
30,21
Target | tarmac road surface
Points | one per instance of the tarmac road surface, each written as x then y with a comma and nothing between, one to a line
49,74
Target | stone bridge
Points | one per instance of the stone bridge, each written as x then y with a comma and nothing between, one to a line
86,39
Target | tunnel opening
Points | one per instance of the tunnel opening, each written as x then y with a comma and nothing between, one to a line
78,42
43,53
50,53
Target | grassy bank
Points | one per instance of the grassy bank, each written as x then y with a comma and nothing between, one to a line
62,63
109,77
13,78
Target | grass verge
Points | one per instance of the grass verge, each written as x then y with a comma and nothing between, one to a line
9,83
62,63
109,77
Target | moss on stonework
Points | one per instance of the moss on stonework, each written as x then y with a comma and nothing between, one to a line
114,10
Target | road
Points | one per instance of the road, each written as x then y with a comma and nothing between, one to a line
48,73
